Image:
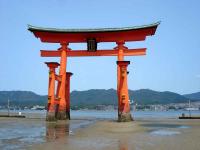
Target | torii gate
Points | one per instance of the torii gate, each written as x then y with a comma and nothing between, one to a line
59,97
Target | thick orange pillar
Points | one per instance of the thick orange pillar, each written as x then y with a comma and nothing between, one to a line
61,113
120,57
51,91
67,94
124,114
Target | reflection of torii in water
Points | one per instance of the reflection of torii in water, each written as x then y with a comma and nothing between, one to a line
123,145
57,130
59,103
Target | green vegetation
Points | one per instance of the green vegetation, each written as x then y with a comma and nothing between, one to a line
146,96
195,96
22,98
94,97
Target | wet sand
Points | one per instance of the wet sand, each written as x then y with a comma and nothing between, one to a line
143,134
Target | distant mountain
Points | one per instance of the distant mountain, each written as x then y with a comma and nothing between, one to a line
106,97
95,97
146,96
22,98
195,96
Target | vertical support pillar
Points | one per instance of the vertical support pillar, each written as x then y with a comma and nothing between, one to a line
67,96
61,114
120,57
51,91
122,88
124,114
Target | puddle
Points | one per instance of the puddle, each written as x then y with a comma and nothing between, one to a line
184,127
165,129
165,132
171,126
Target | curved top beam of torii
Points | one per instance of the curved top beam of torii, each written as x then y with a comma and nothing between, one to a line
55,35
118,35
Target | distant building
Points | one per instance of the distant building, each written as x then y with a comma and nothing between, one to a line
37,107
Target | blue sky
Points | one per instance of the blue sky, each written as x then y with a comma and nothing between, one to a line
172,60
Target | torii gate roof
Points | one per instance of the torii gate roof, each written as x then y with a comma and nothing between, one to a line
55,35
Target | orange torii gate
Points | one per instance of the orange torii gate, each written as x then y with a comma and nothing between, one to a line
59,97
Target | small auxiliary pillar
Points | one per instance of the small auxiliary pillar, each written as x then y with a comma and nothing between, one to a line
67,94
51,91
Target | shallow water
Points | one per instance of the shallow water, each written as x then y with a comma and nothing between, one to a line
18,134
137,115
109,114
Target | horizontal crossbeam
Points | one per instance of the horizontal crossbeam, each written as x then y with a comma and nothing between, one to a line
85,53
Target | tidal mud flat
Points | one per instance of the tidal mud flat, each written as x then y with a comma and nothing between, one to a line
99,134
142,134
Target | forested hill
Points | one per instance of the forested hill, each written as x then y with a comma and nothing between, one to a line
143,96
24,98
95,97
195,96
